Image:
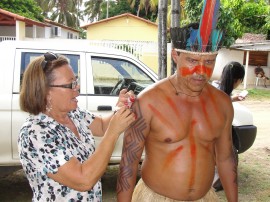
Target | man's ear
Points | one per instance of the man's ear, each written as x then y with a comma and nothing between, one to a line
174,56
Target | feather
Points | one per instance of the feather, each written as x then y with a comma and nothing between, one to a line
208,20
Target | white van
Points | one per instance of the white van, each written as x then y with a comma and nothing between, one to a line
102,72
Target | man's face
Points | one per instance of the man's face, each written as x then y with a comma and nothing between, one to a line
195,69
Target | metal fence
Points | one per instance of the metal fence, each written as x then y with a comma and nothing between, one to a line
4,38
137,48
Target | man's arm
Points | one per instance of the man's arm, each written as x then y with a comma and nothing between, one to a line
133,145
226,161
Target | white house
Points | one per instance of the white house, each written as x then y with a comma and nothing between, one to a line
16,27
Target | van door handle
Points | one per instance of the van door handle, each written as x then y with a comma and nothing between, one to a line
104,108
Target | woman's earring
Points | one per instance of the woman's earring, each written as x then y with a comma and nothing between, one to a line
49,105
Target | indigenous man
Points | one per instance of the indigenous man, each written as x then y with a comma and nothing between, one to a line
184,125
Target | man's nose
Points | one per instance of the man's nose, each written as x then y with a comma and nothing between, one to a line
201,69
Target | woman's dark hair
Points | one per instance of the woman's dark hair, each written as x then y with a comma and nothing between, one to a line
231,73
36,80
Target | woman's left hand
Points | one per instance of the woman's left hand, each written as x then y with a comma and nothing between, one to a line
126,98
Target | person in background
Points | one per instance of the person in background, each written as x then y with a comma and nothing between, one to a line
232,76
184,126
259,72
56,145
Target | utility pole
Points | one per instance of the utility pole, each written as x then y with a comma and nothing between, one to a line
175,22
162,38
107,9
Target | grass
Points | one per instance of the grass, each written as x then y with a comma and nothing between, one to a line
258,94
253,177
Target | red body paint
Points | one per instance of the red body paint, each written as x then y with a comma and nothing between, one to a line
193,155
172,155
162,118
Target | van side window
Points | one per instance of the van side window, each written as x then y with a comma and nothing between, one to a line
27,57
112,75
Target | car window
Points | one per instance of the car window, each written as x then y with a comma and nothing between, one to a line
112,75
27,57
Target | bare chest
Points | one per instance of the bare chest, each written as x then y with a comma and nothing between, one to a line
173,123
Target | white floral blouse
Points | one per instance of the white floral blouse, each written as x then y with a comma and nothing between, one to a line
44,145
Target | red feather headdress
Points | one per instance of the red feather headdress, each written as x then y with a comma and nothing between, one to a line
203,37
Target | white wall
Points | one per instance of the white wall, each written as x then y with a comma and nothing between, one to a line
226,55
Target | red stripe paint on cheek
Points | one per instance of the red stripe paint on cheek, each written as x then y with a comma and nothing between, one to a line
193,154
171,156
199,69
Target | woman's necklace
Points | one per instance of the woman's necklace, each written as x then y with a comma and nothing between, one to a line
180,92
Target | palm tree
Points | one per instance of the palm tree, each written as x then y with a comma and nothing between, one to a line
93,9
44,5
62,11
147,5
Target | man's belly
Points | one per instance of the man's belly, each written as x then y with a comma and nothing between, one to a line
185,179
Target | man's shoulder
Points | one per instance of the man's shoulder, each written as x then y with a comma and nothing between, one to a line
220,96
153,89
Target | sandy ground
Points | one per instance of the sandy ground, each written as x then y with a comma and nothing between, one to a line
15,187
261,118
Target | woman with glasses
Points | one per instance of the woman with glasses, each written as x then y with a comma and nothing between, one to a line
56,144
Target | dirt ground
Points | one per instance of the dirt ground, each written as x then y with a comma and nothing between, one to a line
254,167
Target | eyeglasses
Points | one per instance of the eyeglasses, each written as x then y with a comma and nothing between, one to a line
48,57
72,85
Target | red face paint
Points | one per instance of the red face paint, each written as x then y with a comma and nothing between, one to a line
199,69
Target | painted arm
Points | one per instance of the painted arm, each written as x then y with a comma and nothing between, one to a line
134,140
100,124
226,161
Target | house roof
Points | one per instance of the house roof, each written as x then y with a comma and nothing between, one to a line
60,25
116,17
251,38
252,46
252,42
9,19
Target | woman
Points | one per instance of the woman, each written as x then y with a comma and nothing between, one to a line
56,144
232,76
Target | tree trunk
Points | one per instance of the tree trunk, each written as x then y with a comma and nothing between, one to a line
175,22
162,38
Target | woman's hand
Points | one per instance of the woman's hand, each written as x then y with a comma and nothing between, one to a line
237,97
126,98
121,120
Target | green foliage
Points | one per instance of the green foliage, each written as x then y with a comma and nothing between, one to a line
227,20
26,8
254,17
116,8
236,17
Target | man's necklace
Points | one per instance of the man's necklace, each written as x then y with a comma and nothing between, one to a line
180,92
